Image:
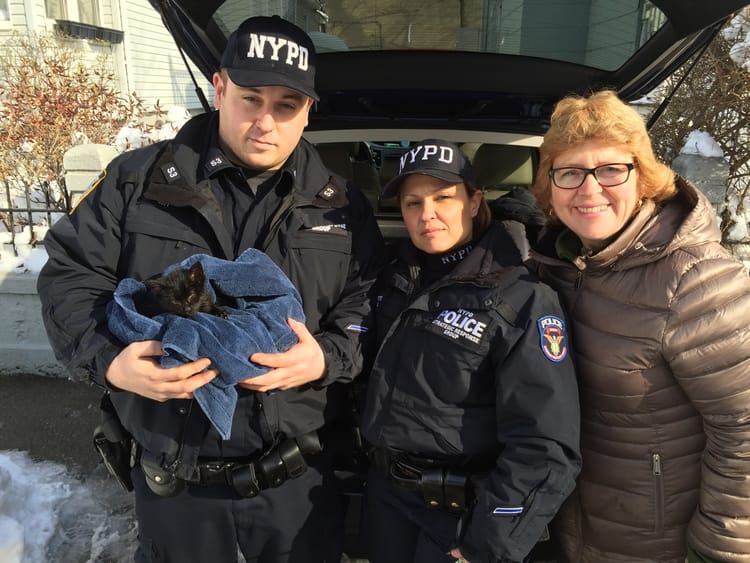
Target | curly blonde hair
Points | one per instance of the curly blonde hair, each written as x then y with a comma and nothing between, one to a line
601,116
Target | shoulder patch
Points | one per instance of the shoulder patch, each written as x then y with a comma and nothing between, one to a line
171,174
91,188
552,337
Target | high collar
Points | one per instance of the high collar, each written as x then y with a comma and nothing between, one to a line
192,145
686,219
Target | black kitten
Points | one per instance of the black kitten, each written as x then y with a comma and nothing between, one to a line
182,292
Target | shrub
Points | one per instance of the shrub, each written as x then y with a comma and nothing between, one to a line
715,97
54,95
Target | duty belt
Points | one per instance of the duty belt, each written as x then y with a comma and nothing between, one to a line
439,485
248,477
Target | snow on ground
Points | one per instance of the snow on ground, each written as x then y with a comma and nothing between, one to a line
48,514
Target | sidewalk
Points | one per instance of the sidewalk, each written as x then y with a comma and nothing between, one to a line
51,418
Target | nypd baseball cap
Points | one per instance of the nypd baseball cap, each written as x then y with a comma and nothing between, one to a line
271,51
433,157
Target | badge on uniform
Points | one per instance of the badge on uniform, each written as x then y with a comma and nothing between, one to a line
552,337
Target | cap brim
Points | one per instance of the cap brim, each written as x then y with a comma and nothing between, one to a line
392,187
251,78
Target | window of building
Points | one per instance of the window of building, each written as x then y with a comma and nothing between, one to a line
56,9
4,11
82,11
88,12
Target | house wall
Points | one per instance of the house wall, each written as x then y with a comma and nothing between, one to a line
154,67
147,61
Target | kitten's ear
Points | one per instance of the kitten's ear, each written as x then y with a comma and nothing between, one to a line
196,273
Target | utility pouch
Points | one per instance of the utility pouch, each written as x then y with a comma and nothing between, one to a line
283,462
161,482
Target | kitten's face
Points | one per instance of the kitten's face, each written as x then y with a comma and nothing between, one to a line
182,292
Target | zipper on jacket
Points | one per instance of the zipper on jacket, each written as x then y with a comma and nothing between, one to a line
579,280
658,492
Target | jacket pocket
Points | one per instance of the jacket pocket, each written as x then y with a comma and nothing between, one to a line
656,473
159,245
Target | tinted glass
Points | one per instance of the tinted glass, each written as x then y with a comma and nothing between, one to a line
596,33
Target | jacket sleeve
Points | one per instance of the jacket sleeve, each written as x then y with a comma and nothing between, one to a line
538,426
707,345
78,280
348,329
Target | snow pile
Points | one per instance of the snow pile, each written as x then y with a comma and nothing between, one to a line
737,32
701,143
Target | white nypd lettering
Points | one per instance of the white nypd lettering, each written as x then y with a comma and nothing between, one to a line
425,152
457,256
295,53
460,324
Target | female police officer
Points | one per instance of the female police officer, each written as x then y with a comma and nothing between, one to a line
472,406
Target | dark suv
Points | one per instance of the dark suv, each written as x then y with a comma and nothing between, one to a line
485,73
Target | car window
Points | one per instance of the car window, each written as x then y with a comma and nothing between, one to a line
600,34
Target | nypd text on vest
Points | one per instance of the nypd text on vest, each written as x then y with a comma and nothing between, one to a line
295,53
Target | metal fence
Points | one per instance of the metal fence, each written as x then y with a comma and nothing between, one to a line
26,212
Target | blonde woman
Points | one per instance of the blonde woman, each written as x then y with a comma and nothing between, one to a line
659,313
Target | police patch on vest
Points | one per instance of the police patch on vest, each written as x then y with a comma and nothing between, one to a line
552,337
466,327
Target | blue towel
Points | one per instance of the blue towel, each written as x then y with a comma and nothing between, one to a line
265,299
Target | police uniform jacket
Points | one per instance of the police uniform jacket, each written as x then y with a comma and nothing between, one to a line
662,333
476,366
156,206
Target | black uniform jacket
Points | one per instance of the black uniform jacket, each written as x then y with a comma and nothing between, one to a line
155,206
477,366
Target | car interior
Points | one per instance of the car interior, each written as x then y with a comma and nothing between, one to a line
370,165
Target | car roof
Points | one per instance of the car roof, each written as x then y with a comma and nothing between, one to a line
482,66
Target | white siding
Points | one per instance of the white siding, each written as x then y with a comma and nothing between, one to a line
155,68
147,62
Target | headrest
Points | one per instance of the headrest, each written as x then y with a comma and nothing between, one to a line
504,165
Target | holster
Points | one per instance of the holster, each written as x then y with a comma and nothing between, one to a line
440,486
114,444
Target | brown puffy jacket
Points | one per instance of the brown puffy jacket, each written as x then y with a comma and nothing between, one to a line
661,336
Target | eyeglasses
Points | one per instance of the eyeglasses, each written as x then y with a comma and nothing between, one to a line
608,175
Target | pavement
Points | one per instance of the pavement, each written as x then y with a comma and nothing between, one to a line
51,418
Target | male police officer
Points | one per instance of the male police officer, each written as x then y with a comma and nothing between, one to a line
237,178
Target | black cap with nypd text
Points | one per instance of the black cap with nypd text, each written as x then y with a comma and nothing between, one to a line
271,51
433,157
